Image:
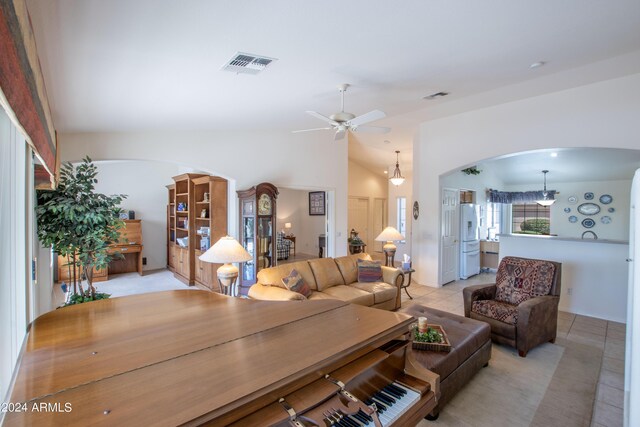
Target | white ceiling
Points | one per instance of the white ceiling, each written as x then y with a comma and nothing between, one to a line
569,165
123,65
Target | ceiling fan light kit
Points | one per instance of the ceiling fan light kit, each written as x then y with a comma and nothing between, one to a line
397,177
344,121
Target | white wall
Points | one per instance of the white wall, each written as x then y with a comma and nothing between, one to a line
367,184
310,161
144,184
293,207
617,229
595,115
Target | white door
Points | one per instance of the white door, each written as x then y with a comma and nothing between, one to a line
379,221
359,218
449,235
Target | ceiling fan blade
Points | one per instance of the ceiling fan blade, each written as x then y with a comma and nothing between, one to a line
323,118
371,129
339,134
309,130
367,117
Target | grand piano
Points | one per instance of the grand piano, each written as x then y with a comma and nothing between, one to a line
192,357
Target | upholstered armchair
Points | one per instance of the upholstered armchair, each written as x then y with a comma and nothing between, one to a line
522,306
283,246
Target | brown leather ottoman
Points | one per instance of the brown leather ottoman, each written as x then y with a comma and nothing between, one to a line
470,350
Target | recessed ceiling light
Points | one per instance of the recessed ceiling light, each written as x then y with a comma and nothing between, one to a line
385,172
537,64
554,154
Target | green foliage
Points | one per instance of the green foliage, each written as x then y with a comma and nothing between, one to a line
473,170
432,335
78,222
80,298
535,226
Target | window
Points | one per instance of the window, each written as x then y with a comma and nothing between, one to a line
402,216
494,214
530,218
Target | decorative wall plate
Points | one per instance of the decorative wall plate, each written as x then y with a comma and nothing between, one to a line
605,199
589,209
588,196
588,223
567,210
416,210
573,219
612,210
572,199
605,219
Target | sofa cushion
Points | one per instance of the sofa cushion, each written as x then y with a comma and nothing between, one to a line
315,296
351,295
520,279
348,266
326,273
294,282
498,310
273,275
369,271
381,291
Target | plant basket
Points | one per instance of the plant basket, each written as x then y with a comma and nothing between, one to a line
444,346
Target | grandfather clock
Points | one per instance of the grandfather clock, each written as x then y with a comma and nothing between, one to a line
257,224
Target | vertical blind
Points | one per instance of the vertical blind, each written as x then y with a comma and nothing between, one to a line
13,258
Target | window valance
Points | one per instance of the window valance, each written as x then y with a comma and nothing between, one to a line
511,197
22,90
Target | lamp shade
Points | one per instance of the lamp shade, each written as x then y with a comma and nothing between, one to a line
389,234
226,250
287,225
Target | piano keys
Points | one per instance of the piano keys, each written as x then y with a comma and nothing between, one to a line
200,358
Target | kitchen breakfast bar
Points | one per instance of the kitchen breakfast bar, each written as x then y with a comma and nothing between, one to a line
594,271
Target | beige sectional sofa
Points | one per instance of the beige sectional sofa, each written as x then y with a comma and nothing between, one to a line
331,278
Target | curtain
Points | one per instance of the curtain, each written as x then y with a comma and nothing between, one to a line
511,197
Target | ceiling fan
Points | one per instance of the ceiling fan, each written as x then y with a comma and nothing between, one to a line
342,122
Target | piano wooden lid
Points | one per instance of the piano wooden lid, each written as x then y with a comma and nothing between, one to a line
168,358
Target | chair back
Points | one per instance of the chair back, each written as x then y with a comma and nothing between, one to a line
511,266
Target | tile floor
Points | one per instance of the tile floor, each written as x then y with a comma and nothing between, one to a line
609,336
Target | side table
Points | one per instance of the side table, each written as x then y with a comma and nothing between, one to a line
292,239
407,280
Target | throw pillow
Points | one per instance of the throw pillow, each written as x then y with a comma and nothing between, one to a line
369,271
294,282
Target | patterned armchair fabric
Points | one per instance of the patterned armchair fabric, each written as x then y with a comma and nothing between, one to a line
522,306
283,246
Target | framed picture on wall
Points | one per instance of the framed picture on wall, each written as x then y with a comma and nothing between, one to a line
316,203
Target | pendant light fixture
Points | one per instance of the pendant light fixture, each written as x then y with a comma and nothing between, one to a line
547,198
397,177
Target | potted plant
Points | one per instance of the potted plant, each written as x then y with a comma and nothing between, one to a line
80,224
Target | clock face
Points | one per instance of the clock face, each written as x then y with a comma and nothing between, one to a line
264,205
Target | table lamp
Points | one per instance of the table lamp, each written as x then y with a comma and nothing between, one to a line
225,251
389,235
287,226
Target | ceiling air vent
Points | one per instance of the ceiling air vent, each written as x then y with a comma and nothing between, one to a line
247,63
435,95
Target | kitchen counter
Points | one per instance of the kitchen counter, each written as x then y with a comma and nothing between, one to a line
594,272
